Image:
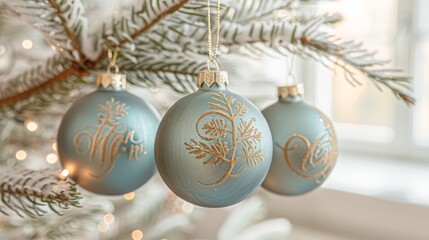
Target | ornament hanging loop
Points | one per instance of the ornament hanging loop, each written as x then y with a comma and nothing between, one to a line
212,61
112,60
216,76
290,60
112,80
213,52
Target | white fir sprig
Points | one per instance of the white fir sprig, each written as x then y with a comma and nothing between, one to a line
62,22
35,193
81,223
31,91
156,36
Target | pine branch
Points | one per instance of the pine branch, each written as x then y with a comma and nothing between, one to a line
81,223
139,21
309,41
249,11
306,40
175,69
38,87
7,129
355,61
59,78
62,23
21,138
246,11
33,193
129,28
149,36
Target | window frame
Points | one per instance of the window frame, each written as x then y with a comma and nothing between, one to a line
400,144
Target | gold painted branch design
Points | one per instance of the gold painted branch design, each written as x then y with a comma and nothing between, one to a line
108,139
222,132
319,157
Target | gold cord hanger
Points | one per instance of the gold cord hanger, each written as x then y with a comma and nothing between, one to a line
213,51
292,88
210,77
114,80
290,79
112,60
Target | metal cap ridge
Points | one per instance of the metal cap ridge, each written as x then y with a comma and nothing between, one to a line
210,77
114,80
291,90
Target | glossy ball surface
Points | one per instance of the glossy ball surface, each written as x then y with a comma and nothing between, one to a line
305,147
106,141
213,148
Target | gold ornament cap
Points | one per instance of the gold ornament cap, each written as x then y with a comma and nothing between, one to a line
291,90
210,77
114,80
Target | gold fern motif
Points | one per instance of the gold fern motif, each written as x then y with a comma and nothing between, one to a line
107,137
226,123
321,153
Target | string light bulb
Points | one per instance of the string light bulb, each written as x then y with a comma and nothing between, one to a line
129,196
52,158
137,234
103,227
64,173
109,218
21,155
31,125
54,146
27,44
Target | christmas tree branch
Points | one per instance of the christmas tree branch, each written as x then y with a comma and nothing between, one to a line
77,224
37,87
175,69
40,91
62,23
309,41
354,60
29,193
147,17
306,40
150,35
129,28
246,11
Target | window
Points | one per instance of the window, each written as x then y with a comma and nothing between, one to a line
421,59
368,120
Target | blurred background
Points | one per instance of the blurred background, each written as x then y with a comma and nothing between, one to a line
380,186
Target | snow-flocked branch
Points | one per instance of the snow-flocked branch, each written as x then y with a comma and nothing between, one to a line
175,30
33,193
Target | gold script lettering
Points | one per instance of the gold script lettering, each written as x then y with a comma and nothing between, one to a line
105,139
319,157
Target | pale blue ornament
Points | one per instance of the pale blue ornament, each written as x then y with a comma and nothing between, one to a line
106,139
305,144
213,147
